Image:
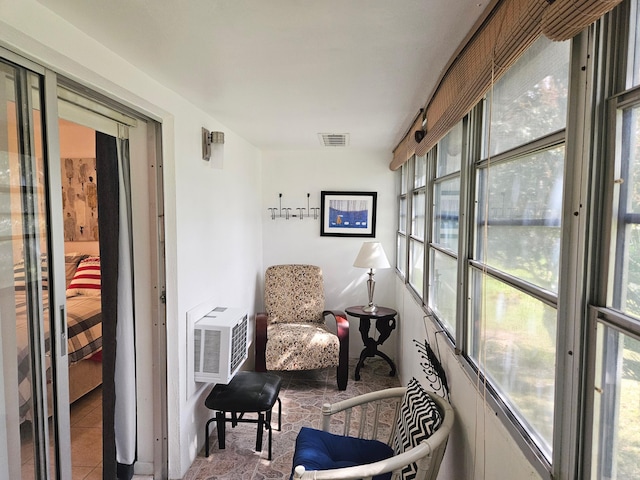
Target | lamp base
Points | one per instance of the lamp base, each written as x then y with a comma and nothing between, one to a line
371,285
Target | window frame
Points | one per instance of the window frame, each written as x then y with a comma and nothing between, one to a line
618,94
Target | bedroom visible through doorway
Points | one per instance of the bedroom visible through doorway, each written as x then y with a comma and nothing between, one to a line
109,146
82,272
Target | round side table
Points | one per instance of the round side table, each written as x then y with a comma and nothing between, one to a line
385,319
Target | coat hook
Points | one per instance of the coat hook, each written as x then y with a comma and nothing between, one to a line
287,212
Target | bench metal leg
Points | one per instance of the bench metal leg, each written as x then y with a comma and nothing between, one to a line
261,426
268,426
220,426
270,434
263,421
206,436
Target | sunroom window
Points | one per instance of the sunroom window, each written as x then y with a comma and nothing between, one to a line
418,224
616,435
401,235
443,249
515,265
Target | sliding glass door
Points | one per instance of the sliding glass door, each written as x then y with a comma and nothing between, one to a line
34,440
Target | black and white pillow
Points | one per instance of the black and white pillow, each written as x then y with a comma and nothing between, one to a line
419,418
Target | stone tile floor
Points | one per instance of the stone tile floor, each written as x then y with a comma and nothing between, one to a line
302,395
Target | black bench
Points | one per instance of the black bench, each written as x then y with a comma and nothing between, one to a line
247,392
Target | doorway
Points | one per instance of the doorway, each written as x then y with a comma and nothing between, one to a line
50,266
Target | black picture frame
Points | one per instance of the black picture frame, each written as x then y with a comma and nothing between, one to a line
348,214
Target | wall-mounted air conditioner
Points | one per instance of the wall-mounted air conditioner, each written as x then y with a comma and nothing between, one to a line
220,344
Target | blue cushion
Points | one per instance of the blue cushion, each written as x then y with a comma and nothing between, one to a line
320,450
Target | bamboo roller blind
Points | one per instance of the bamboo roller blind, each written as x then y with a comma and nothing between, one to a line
507,32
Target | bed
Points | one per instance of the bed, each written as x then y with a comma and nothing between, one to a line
84,331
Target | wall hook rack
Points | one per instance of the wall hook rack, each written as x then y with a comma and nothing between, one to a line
302,212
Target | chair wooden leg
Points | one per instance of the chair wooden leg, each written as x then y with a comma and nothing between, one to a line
343,375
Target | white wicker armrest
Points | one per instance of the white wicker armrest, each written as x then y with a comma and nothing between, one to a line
331,408
328,410
428,454
369,470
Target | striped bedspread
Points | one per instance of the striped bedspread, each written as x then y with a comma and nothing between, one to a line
84,332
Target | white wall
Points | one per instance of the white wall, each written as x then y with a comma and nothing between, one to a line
296,173
212,217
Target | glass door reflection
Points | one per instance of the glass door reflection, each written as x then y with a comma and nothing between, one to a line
26,387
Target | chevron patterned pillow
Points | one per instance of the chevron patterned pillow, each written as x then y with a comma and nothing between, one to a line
419,417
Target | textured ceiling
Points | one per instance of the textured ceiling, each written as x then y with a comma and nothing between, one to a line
279,72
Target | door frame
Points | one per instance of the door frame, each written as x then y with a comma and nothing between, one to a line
154,274
156,265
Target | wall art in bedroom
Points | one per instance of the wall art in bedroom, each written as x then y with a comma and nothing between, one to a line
80,199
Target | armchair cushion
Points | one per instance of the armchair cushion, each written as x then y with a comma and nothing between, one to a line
302,346
418,419
320,450
294,293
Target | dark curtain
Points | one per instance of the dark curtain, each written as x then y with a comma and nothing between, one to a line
108,226
108,183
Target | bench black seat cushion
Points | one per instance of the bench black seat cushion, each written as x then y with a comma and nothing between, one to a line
247,392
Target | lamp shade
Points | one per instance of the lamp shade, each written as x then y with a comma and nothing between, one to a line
371,255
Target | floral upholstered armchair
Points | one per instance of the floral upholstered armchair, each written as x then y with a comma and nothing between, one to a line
292,334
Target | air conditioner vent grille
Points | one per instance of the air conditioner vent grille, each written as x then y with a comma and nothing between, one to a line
334,139
238,343
211,361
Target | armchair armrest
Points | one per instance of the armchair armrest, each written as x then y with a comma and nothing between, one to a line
342,328
262,320
342,324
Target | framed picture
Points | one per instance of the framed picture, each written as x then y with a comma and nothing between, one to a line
348,214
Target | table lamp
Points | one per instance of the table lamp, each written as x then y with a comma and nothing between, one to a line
371,256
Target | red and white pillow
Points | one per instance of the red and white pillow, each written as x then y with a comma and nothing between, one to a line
86,280
71,261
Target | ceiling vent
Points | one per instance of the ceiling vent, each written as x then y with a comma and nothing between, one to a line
334,139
